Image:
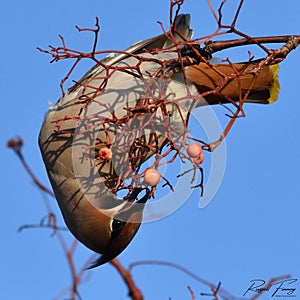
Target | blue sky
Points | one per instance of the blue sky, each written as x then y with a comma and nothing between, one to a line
250,230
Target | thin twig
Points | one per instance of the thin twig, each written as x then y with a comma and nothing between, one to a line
134,292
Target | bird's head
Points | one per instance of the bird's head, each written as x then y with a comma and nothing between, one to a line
109,234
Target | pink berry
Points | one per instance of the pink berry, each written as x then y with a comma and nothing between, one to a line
105,153
152,176
194,150
198,160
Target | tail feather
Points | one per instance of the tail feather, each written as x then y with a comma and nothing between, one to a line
263,90
271,94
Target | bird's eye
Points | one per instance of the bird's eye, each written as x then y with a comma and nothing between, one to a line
116,227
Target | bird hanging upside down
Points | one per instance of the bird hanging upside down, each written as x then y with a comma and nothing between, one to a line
112,90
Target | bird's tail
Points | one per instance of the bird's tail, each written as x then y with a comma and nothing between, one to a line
259,87
270,91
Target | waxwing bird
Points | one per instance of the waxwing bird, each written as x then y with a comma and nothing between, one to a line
85,191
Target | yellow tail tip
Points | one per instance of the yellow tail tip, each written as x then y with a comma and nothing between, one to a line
274,91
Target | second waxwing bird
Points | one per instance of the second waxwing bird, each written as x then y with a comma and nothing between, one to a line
84,191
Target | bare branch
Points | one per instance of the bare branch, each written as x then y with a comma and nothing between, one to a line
134,292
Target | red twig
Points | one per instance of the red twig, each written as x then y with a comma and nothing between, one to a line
134,292
226,295
16,145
